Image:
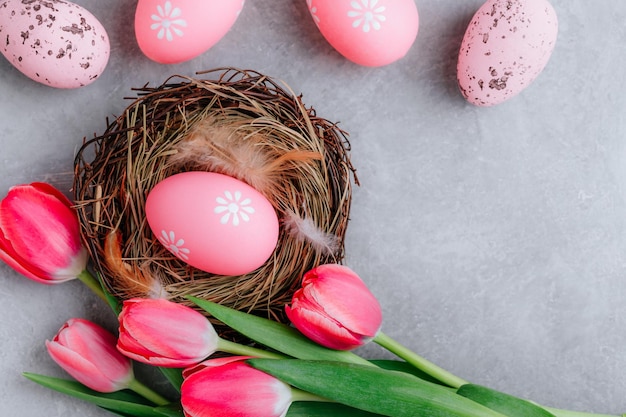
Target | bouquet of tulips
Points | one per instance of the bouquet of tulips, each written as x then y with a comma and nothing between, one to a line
306,369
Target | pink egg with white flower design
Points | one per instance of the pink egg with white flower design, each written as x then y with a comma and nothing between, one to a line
213,222
174,31
372,33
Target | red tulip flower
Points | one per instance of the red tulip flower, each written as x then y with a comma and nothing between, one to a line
335,308
87,352
163,333
39,234
228,387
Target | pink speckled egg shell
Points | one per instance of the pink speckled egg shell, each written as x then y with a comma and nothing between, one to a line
367,32
174,31
505,47
213,222
54,42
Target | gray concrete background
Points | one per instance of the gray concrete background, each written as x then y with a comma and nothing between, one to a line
494,237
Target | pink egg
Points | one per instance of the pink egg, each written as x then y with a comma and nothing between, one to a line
174,31
505,47
367,32
56,43
213,222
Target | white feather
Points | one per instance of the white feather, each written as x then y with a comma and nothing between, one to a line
157,290
305,229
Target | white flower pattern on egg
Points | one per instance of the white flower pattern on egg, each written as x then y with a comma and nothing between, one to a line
167,21
174,245
366,15
233,206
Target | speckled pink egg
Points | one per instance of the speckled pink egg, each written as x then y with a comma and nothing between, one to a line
54,42
505,47
372,33
213,222
174,31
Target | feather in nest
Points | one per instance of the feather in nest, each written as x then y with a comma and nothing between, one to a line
133,279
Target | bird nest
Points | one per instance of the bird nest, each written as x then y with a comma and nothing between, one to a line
239,123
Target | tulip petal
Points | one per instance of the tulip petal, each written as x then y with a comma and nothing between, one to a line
235,389
42,228
344,296
87,352
151,328
358,313
164,333
325,331
46,188
95,345
80,368
8,255
212,363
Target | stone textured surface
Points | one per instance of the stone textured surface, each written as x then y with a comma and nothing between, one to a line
494,237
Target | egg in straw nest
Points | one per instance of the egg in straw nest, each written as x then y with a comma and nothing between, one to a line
241,124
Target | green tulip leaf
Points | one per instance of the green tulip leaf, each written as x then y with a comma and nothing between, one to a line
501,402
170,410
117,413
402,366
372,389
123,403
174,376
275,335
324,409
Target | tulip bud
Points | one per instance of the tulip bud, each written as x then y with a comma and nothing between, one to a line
335,308
228,387
39,234
87,352
163,333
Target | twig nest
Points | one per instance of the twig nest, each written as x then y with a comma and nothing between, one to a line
241,124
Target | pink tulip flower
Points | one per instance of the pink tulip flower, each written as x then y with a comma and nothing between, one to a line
211,363
335,308
163,333
87,352
39,234
228,387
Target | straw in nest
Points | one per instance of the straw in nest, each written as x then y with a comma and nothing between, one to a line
241,124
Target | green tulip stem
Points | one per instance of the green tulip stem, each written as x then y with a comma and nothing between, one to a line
417,361
227,346
147,393
92,283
